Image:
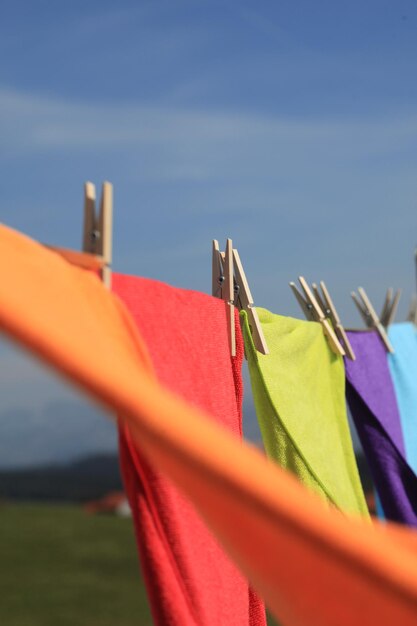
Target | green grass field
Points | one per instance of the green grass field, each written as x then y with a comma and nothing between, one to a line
62,567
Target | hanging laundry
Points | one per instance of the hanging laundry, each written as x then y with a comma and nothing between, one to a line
299,397
314,566
190,579
403,367
373,405
379,511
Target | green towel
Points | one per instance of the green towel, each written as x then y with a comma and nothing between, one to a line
299,395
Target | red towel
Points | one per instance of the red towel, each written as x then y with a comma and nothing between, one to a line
189,578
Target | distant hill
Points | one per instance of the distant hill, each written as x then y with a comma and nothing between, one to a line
84,479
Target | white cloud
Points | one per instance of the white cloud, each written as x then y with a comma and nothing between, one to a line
197,142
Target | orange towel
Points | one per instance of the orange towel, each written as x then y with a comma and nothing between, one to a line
313,566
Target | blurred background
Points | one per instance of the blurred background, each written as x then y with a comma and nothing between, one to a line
289,126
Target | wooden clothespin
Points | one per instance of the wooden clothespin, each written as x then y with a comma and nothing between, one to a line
97,231
223,286
370,316
313,312
390,306
245,303
97,234
412,312
241,294
329,309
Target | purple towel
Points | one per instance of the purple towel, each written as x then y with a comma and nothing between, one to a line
373,405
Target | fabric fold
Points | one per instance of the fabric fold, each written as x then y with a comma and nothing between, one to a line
186,337
373,406
313,566
299,397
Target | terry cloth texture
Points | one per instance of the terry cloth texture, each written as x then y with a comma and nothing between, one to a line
299,395
190,579
403,367
314,566
373,405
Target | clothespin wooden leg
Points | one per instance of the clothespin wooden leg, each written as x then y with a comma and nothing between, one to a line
105,224
229,295
90,233
322,304
331,312
412,312
386,306
394,306
248,305
306,307
217,276
365,315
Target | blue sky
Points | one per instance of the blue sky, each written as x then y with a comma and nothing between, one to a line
289,126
